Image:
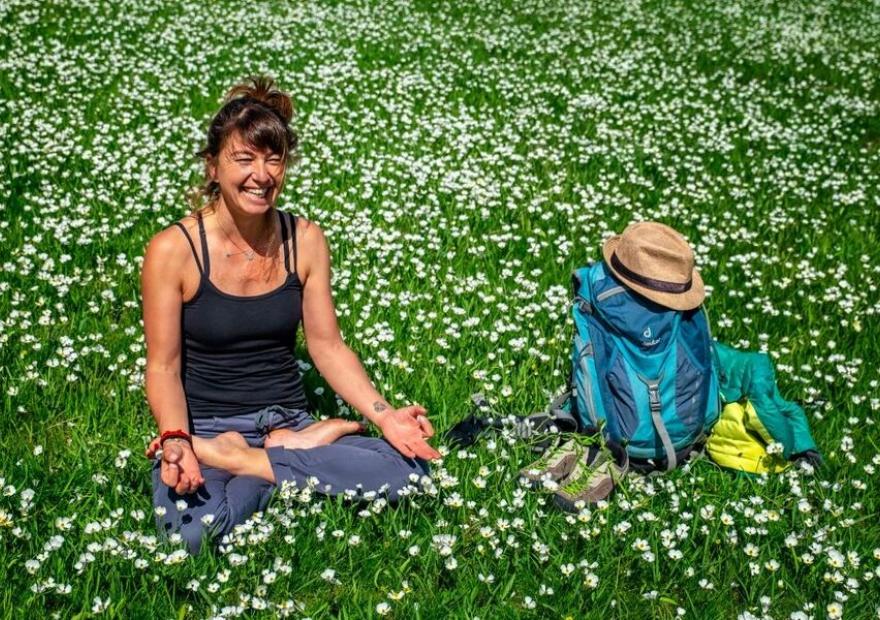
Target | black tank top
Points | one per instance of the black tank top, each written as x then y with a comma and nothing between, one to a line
238,352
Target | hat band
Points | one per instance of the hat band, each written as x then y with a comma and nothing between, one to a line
661,286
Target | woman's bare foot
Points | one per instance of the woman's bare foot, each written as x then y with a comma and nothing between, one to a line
321,433
229,451
225,451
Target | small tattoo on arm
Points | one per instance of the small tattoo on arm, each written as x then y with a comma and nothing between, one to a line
379,406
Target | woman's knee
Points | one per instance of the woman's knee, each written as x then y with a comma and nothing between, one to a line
406,477
193,533
193,536
204,512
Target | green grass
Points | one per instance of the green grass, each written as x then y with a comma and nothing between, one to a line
463,159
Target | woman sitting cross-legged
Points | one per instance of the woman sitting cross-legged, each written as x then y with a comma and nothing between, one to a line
224,292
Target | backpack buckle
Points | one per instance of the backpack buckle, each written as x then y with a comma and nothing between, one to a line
654,397
583,305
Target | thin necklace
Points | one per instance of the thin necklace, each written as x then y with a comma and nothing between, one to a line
248,254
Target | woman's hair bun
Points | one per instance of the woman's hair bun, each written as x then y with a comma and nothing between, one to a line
262,88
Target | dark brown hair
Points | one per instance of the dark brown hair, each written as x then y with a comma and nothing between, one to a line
261,114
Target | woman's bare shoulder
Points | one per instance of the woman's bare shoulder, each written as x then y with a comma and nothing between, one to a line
169,246
312,249
308,232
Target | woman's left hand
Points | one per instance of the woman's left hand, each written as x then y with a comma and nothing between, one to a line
406,429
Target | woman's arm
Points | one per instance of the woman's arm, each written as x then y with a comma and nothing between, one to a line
162,302
404,428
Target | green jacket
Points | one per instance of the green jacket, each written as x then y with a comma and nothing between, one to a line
750,376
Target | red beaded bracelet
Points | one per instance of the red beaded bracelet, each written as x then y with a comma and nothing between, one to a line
178,434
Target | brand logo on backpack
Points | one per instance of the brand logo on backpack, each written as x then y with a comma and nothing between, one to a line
649,342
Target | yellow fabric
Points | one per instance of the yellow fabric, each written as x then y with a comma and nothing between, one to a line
739,441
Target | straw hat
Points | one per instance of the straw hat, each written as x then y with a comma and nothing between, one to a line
656,262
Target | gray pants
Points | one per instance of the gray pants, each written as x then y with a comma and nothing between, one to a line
362,464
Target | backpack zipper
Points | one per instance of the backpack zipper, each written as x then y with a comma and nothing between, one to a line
609,293
587,351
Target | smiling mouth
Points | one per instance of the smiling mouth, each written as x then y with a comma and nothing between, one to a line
257,192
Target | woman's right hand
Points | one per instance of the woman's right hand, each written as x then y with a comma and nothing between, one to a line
180,467
406,429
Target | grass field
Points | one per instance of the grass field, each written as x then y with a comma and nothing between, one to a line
463,158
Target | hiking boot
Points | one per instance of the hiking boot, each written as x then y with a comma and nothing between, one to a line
555,465
593,478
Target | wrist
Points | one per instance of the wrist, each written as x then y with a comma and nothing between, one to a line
379,413
175,435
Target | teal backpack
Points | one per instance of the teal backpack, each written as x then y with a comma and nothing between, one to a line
643,375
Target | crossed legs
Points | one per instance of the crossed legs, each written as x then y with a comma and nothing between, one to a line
230,451
240,479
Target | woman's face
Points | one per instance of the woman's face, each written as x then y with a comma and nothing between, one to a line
250,179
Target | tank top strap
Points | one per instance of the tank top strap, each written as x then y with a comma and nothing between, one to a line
282,220
205,256
293,239
191,245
